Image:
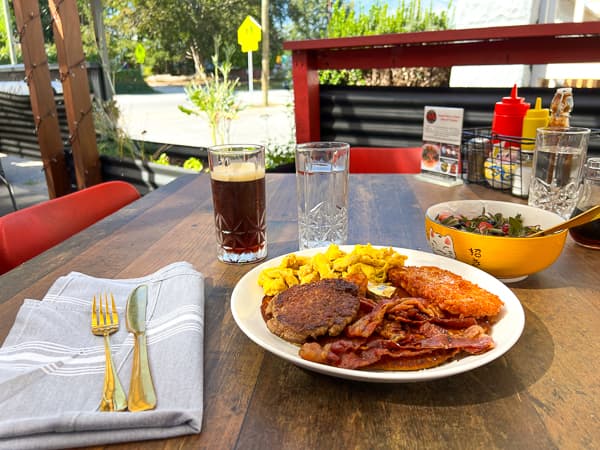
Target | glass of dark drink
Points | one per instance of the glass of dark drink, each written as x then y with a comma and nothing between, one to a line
588,235
237,175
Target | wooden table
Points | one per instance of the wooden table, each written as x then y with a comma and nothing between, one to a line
544,393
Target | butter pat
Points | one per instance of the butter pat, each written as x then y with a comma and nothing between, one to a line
381,290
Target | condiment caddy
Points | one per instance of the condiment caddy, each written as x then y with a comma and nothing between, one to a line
501,156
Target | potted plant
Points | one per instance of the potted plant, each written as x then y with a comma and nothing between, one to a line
213,97
143,164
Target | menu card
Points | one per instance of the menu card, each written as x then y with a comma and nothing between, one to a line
440,155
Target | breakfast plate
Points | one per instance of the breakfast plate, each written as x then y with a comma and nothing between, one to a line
247,296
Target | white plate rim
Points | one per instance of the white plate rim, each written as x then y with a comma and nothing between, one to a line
247,296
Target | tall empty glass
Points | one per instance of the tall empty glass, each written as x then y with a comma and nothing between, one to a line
322,190
237,175
557,168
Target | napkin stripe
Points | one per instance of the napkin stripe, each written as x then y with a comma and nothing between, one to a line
61,360
48,346
58,299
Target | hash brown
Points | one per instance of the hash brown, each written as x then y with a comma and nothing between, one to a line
449,291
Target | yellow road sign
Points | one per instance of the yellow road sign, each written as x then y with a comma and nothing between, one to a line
249,34
140,54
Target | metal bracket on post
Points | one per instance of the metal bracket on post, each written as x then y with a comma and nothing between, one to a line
41,94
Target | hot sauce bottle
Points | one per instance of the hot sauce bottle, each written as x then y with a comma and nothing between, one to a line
509,114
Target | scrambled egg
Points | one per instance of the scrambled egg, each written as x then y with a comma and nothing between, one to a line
334,263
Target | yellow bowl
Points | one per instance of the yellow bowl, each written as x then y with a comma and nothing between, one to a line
507,258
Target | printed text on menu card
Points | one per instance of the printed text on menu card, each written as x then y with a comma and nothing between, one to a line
442,132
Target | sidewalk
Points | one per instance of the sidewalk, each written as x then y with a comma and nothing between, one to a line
156,118
27,179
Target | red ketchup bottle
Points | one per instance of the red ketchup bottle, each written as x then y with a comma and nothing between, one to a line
509,114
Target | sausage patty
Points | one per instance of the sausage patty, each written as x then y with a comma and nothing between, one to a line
311,310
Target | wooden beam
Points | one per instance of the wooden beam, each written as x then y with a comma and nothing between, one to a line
539,50
519,44
78,105
37,72
576,31
306,96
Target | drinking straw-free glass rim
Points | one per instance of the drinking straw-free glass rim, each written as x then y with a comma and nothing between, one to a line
236,149
562,130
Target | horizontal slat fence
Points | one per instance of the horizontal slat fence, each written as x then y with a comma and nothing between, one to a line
393,116
17,125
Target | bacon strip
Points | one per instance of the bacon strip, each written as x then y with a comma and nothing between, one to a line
399,334
410,333
367,324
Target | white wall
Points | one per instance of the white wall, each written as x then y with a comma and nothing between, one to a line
488,13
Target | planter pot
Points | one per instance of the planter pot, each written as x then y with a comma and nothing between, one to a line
283,168
145,176
177,153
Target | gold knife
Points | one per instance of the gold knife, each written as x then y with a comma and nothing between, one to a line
141,388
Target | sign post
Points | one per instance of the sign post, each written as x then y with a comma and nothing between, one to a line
249,35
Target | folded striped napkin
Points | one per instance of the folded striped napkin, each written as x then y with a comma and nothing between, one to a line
52,366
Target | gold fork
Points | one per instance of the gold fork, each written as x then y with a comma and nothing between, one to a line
105,321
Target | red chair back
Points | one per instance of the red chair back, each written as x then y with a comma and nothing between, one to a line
28,232
385,160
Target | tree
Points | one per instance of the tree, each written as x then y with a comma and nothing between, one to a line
168,29
302,19
7,53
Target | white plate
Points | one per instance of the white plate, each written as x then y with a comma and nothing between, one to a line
247,296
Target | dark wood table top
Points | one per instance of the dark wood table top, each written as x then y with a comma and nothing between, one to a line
543,393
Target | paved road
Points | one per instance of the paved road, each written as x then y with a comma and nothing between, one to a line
156,118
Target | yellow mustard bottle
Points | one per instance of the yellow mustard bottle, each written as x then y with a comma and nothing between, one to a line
535,118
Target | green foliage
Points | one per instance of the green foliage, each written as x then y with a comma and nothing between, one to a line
193,164
279,154
4,52
110,138
130,81
349,77
410,16
214,97
302,19
168,29
163,159
88,36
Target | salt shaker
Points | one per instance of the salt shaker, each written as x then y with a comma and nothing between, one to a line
522,176
588,235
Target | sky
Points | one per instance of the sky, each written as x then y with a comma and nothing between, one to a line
436,4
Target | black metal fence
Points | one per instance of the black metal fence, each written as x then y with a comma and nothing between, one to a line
393,117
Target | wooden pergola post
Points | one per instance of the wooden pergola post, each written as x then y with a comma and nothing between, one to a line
78,105
37,72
